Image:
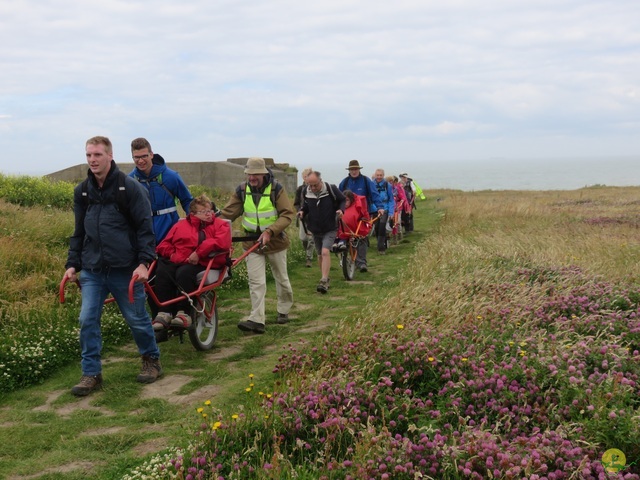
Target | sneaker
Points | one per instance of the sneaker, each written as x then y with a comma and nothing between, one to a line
251,326
151,370
323,286
87,384
181,320
363,269
309,265
161,322
282,318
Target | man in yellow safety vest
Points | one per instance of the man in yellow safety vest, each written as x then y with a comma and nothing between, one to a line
266,211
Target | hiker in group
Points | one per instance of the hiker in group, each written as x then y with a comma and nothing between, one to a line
183,254
322,204
363,186
385,192
355,211
112,243
409,190
266,211
164,185
303,232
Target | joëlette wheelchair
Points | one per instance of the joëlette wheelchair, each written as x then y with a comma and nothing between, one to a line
203,300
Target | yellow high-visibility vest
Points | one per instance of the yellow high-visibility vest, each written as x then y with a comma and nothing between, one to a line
261,216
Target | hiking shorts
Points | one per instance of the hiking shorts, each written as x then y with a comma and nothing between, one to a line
324,240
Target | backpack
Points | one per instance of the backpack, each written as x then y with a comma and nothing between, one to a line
122,200
409,192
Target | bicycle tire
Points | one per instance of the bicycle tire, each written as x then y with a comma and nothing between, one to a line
348,265
204,329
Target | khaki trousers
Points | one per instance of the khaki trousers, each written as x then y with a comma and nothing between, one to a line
256,270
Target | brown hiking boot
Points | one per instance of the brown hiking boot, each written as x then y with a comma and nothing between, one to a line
151,370
87,384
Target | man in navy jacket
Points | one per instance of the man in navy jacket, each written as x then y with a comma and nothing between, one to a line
364,186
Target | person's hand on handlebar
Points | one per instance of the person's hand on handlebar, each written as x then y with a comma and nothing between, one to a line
142,273
71,275
265,237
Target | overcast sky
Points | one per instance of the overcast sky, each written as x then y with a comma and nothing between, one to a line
314,82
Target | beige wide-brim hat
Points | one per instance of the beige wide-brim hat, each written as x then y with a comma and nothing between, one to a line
255,166
354,164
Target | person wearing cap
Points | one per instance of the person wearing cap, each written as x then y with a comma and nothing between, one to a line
364,186
266,211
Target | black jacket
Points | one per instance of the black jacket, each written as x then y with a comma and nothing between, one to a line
104,237
319,211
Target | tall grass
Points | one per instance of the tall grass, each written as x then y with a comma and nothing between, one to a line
511,349
506,346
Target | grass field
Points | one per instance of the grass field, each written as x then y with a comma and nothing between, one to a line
499,341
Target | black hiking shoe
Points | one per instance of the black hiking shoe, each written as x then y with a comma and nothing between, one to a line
282,318
151,370
87,384
251,326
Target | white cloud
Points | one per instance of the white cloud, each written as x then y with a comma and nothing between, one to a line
209,80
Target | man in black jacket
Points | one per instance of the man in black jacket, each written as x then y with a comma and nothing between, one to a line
113,242
323,202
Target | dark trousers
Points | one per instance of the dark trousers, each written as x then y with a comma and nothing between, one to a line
381,232
168,276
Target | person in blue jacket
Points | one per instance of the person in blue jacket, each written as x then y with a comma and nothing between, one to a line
385,191
364,186
165,187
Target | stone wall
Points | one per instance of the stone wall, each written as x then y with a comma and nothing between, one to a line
222,175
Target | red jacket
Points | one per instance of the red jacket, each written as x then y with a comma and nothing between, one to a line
352,215
183,239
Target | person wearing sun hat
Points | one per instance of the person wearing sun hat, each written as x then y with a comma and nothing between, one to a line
266,210
363,186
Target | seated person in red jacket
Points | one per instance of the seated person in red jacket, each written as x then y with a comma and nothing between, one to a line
354,211
184,253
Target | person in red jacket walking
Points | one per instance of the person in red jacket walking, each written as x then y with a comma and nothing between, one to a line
184,253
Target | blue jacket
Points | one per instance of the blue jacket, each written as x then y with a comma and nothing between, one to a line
164,186
103,236
365,187
385,191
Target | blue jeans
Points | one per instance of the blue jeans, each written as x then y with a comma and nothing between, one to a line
95,288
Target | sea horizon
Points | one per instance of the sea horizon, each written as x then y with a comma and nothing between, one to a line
567,173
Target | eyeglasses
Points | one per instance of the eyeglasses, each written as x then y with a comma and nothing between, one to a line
204,212
141,157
